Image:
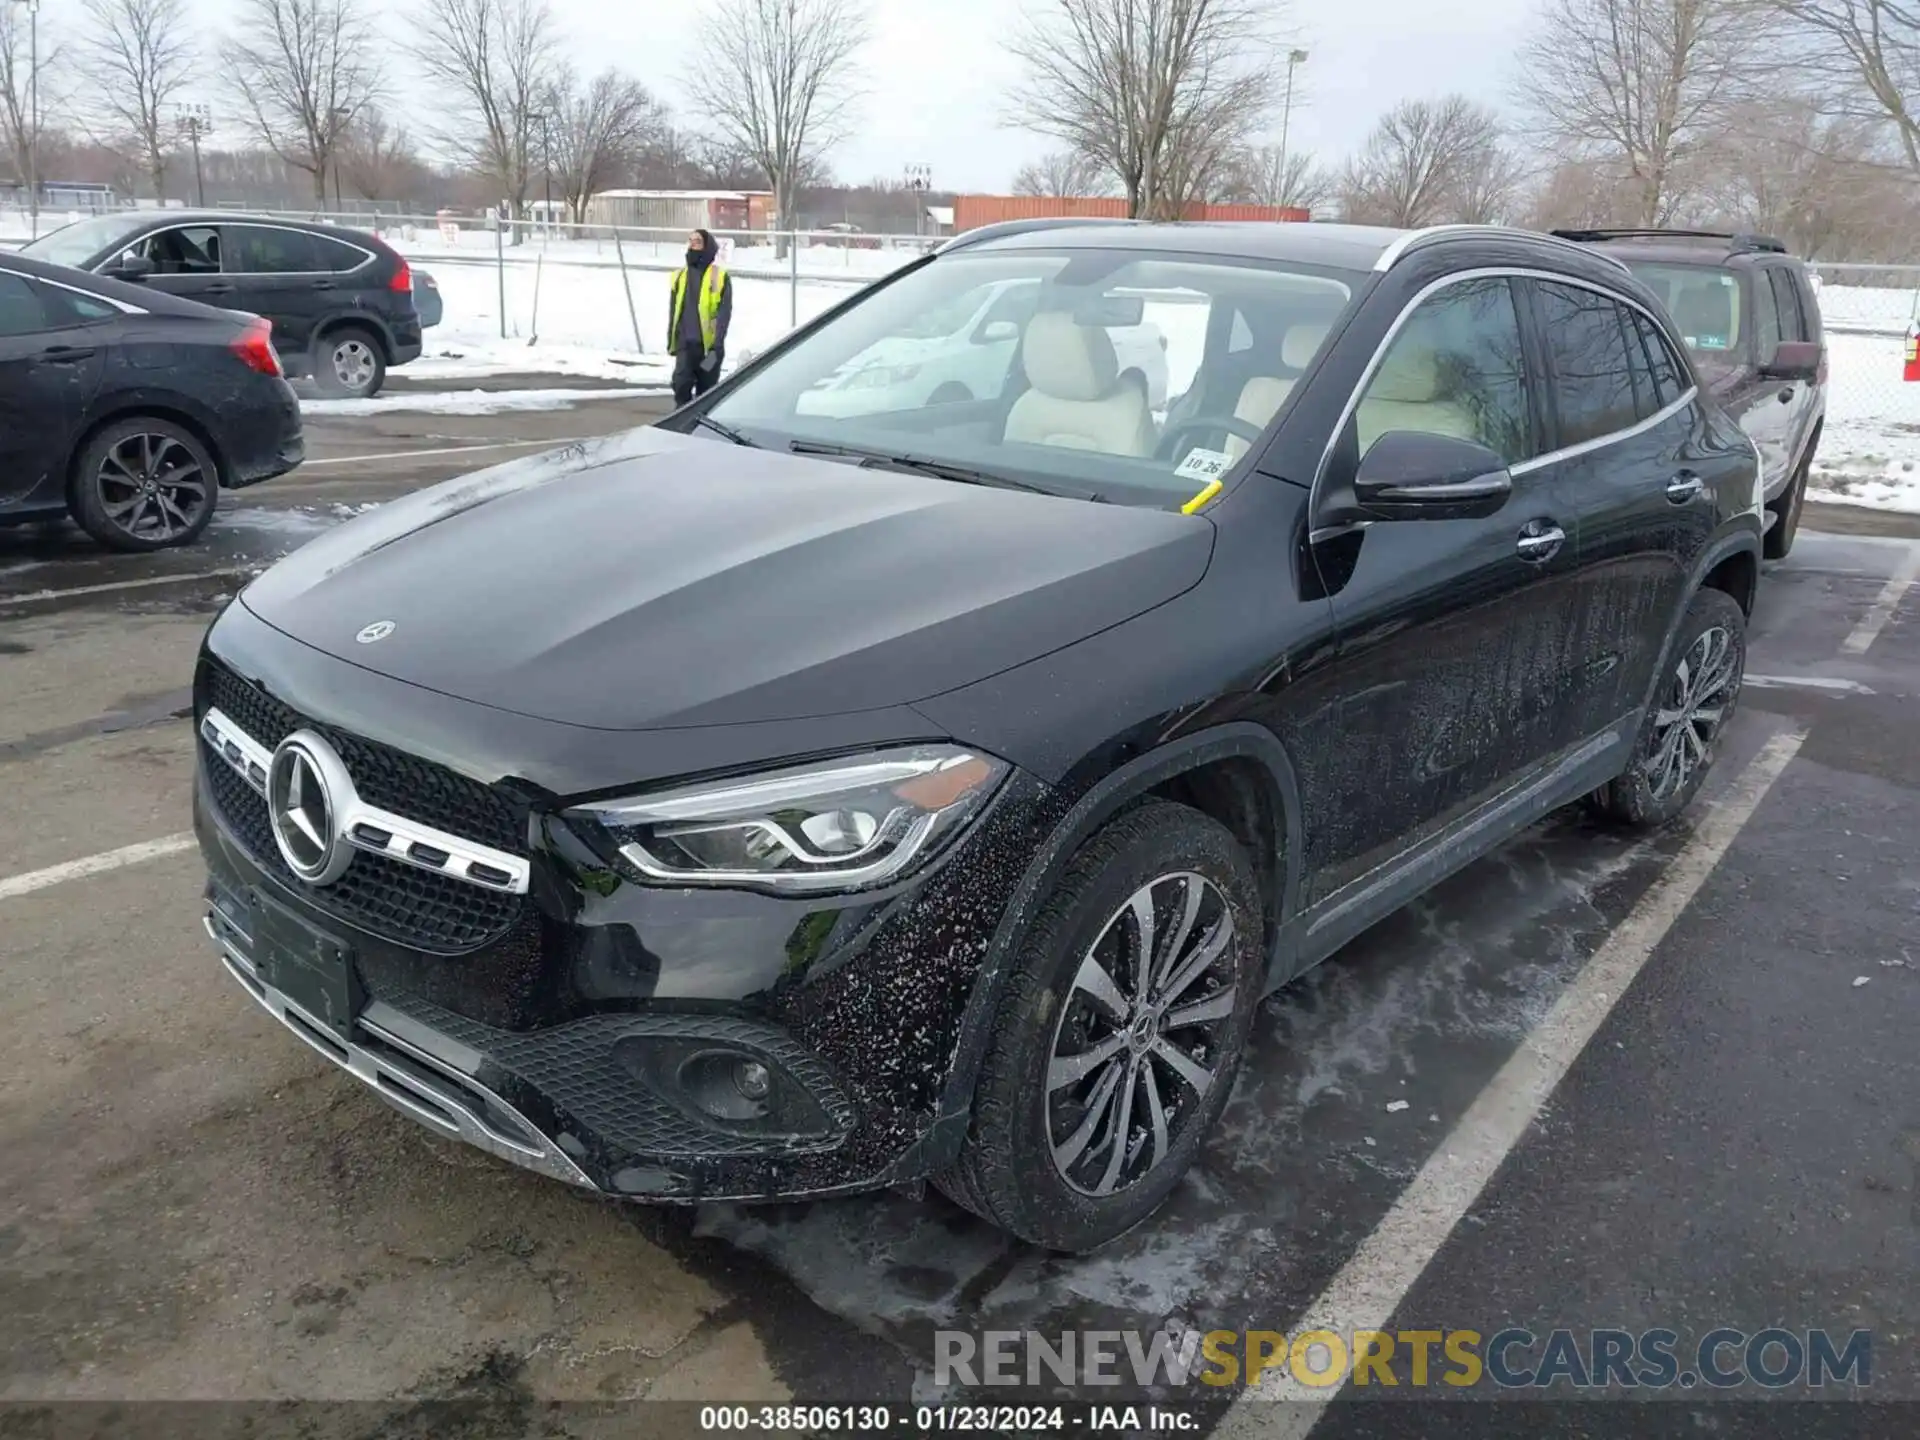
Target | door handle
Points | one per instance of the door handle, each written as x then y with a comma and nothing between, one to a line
323,284
1786,396
1540,541
220,288
1684,487
65,355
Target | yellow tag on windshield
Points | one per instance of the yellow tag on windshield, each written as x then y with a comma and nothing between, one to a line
1213,489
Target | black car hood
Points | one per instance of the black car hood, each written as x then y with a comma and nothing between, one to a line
656,580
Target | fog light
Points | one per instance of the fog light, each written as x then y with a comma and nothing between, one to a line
752,1080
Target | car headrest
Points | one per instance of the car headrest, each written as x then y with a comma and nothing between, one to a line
1301,342
1068,361
1409,376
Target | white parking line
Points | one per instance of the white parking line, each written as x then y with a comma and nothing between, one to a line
127,585
33,880
1374,1281
554,444
1881,611
1808,682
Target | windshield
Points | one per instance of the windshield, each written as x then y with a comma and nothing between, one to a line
1704,301
1135,376
79,242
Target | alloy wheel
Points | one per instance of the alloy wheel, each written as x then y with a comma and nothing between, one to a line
152,487
1140,1035
353,364
1698,695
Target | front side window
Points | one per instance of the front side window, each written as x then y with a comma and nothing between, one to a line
1586,334
1704,301
1053,368
185,250
1455,368
1793,325
1766,319
259,250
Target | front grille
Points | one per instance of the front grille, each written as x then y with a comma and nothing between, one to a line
384,897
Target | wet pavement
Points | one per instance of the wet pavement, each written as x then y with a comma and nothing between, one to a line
209,1210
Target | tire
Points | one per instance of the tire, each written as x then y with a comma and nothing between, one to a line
349,363
144,484
1051,1174
1778,541
1702,674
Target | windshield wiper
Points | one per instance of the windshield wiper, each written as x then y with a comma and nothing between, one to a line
940,469
719,429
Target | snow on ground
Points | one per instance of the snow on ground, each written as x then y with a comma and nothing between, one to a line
459,402
1870,450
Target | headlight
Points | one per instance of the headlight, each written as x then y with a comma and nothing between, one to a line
838,825
879,377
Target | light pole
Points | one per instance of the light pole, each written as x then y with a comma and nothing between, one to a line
196,123
546,165
920,182
1294,58
338,119
33,113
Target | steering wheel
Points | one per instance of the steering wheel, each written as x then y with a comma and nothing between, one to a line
1232,424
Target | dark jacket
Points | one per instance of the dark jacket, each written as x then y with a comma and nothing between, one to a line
683,321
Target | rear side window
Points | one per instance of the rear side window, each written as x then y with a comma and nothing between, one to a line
336,255
1587,342
1456,368
259,250
1664,370
20,312
70,307
1793,324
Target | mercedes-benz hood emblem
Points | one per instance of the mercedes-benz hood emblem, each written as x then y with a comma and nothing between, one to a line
378,630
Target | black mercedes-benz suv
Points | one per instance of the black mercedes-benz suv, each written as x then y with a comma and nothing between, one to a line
794,797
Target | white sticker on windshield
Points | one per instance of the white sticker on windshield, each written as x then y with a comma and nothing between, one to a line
1204,465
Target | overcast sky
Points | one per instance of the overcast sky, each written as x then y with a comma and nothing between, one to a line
937,75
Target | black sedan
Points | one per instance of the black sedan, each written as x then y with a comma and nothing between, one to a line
781,801
131,409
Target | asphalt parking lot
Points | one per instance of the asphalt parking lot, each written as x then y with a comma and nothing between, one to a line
1592,1082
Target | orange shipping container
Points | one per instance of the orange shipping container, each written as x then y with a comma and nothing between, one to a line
970,212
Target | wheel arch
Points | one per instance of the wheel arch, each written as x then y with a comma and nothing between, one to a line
138,409
355,320
1238,773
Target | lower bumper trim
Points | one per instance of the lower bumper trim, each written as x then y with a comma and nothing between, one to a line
409,1079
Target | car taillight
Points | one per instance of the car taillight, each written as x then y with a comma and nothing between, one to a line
402,280
255,348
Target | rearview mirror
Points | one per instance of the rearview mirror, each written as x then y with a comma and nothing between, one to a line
1406,475
996,332
1793,360
133,266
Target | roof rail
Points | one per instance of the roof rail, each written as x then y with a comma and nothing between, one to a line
1734,240
1413,239
1001,228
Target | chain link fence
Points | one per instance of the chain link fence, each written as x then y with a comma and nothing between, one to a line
1870,449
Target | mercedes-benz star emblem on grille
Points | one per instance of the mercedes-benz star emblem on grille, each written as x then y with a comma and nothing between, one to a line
305,786
378,630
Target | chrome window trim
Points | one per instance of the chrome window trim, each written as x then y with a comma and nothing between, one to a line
1507,272
252,761
124,307
1413,239
149,235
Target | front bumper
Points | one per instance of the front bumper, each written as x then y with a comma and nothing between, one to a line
547,1027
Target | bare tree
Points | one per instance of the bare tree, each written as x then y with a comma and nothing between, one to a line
303,70
16,86
1427,162
1868,53
779,80
495,61
1640,86
136,56
1265,175
1162,92
377,158
1062,173
598,129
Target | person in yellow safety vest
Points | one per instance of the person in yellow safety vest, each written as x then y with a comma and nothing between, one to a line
698,312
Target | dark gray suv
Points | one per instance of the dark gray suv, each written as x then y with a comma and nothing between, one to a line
1751,319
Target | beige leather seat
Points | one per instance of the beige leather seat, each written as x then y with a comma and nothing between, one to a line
1262,396
1076,400
1405,394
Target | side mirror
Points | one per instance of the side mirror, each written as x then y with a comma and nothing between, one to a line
996,332
1793,360
1409,476
133,266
